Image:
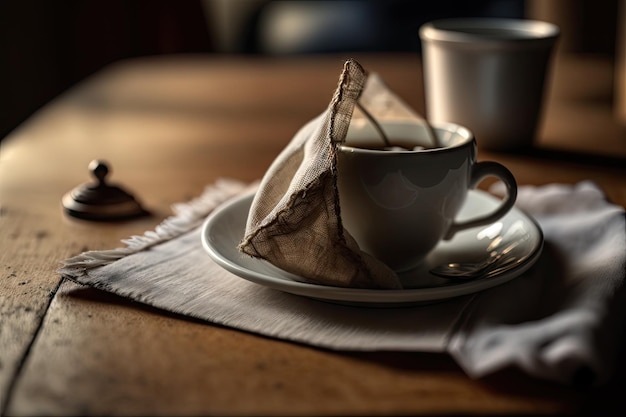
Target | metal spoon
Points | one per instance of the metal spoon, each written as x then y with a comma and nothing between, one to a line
497,261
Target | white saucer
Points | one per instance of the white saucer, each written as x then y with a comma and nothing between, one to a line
224,229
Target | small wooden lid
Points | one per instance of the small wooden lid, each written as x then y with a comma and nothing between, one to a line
101,201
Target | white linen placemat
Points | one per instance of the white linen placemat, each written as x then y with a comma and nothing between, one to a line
562,320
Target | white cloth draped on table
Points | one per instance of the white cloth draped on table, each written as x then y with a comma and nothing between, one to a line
561,320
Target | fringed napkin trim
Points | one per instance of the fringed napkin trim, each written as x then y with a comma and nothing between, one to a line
187,216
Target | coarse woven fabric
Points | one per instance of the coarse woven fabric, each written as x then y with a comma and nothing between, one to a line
297,205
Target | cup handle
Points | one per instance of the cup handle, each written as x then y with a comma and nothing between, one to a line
479,172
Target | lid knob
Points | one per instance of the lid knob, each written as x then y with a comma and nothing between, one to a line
99,169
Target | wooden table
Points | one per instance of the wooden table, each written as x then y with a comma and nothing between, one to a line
171,125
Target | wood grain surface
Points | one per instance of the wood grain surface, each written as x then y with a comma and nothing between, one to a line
171,125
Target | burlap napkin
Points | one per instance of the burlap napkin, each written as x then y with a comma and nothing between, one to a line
561,320
297,204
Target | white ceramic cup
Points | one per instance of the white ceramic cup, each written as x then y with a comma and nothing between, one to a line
488,75
399,204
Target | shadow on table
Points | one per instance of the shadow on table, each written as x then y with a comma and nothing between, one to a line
575,157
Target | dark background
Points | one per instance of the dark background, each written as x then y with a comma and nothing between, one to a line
48,46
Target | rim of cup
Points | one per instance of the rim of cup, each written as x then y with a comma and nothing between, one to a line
467,139
495,30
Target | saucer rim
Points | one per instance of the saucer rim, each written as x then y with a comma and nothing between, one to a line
362,296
